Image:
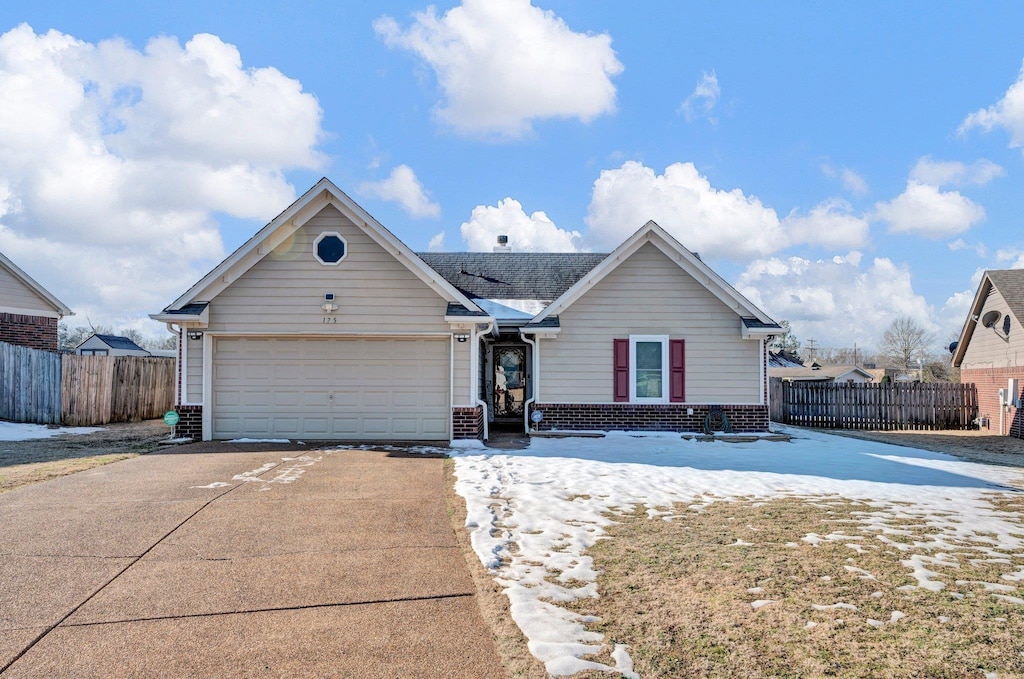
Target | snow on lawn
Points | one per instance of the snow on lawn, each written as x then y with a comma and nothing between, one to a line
14,431
533,513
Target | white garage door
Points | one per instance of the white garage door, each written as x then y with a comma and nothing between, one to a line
331,388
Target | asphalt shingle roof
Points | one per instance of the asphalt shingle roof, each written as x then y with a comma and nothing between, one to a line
512,275
117,342
1010,284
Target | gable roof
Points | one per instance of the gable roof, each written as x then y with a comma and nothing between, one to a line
512,275
58,306
114,342
322,194
754,319
821,373
1010,284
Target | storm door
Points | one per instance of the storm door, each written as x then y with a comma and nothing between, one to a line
509,379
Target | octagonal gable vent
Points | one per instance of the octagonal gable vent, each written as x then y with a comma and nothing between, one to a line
330,248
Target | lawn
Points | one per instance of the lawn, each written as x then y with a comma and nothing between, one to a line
646,555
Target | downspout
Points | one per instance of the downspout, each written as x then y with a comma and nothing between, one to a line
178,365
451,387
476,366
536,383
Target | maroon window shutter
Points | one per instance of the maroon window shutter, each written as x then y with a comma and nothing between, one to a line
677,370
621,374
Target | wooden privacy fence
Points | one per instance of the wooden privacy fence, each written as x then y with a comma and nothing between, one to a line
102,389
29,385
44,387
874,406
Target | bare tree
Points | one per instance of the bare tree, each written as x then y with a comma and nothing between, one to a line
904,342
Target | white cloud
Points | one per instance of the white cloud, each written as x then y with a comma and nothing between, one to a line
707,220
831,224
1012,254
835,301
926,210
711,221
961,244
113,161
436,243
701,102
526,233
955,173
850,180
505,63
404,188
1007,113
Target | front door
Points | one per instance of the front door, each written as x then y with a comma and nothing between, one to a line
509,379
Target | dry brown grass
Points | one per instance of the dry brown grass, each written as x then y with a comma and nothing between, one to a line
14,476
511,643
677,593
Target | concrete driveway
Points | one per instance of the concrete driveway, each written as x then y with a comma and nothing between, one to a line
266,561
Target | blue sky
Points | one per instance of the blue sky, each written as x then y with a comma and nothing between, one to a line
842,164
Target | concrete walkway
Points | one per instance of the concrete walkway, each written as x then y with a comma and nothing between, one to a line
275,561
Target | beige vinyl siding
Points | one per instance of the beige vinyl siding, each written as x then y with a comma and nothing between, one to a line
17,295
461,395
987,348
194,370
283,292
649,294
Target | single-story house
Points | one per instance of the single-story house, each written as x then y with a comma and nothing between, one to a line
29,313
990,350
324,325
823,373
109,345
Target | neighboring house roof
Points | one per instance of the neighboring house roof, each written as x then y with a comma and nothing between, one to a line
512,275
777,360
114,342
322,194
1010,284
756,322
824,373
58,306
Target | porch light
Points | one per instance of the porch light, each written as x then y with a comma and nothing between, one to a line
195,334
462,337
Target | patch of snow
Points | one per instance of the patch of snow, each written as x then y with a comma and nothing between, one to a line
245,440
623,663
875,623
835,606
943,618
741,543
533,513
468,444
16,431
180,439
896,616
760,603
877,595
826,578
1009,599
861,573
755,590
810,624
988,586
812,538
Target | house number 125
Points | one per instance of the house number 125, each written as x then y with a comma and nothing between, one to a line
330,319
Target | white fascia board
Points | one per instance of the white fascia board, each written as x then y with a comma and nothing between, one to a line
468,320
323,193
972,320
674,250
41,313
58,306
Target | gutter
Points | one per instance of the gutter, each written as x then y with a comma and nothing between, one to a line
477,334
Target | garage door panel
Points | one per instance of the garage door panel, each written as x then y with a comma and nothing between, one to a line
340,388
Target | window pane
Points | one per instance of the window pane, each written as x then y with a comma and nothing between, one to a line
648,369
648,356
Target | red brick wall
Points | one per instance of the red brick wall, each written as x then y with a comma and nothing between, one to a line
36,332
190,422
989,381
646,416
467,423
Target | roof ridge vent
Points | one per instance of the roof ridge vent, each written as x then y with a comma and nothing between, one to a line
503,245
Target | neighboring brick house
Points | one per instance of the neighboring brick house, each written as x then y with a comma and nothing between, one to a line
990,351
325,326
28,312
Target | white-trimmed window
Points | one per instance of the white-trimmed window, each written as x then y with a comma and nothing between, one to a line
648,368
330,248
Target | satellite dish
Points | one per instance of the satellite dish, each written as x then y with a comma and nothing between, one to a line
990,319
952,347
